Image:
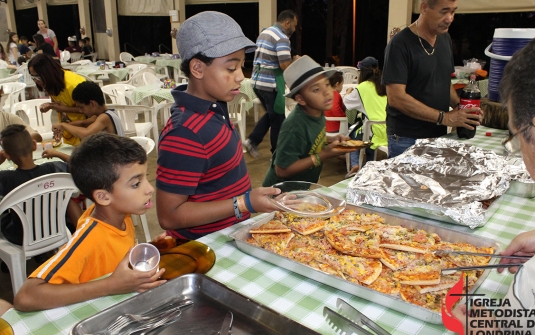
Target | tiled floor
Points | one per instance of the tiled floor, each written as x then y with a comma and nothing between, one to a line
333,171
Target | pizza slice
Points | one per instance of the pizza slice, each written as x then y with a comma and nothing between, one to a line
396,259
300,224
276,242
425,270
326,268
386,283
430,300
448,281
273,226
463,260
365,270
351,220
353,242
406,239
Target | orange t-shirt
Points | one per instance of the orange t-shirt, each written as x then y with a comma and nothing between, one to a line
96,248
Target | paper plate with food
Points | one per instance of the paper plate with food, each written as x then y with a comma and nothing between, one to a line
351,145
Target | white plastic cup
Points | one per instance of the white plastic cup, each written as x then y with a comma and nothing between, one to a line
144,257
48,145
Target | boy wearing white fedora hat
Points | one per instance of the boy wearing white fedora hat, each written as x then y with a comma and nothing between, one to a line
302,144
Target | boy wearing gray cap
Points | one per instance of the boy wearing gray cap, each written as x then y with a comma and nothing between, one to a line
202,181
302,144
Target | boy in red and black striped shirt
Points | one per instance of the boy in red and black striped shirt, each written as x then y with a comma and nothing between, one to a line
202,180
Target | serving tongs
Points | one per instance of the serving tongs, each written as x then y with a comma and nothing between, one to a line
353,323
442,253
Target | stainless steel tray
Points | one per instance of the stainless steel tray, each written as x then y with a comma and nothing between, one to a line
211,301
395,303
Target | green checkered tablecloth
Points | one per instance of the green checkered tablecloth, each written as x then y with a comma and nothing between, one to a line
174,63
145,59
92,71
158,94
302,298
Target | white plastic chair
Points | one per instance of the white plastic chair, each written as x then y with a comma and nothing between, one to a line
151,79
98,81
135,68
119,94
65,55
351,74
366,136
15,93
41,204
126,57
165,113
128,114
30,84
12,79
29,111
137,79
238,114
344,130
75,56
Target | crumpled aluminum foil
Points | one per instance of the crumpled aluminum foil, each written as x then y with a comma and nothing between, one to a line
440,177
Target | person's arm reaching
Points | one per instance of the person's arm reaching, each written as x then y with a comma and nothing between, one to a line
36,294
522,245
176,212
84,128
400,100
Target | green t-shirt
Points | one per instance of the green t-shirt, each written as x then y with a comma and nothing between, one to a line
301,135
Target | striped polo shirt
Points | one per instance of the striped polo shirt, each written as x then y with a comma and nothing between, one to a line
273,48
200,155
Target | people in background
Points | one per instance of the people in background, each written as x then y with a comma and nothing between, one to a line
24,47
338,109
302,145
516,91
112,172
73,46
417,75
49,36
87,49
41,47
18,147
3,54
89,98
271,58
202,181
369,98
58,84
13,47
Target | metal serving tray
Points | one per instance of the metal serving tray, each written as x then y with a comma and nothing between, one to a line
396,303
211,301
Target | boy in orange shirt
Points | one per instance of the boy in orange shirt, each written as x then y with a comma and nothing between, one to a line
111,171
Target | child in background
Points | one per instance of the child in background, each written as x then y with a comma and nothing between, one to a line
338,109
302,144
112,172
90,99
18,147
24,47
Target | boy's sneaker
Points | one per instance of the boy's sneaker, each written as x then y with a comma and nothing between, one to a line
251,148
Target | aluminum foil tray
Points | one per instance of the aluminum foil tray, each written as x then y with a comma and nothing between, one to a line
439,178
242,235
211,301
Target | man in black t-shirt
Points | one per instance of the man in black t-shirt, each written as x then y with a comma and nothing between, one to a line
417,75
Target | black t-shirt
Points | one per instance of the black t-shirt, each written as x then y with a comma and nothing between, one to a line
47,49
427,79
9,180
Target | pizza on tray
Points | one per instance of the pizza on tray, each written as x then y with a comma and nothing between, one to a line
365,250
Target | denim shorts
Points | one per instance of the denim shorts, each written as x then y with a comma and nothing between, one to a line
397,145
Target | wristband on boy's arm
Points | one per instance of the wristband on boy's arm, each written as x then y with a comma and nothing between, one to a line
314,160
248,202
318,158
237,212
241,204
